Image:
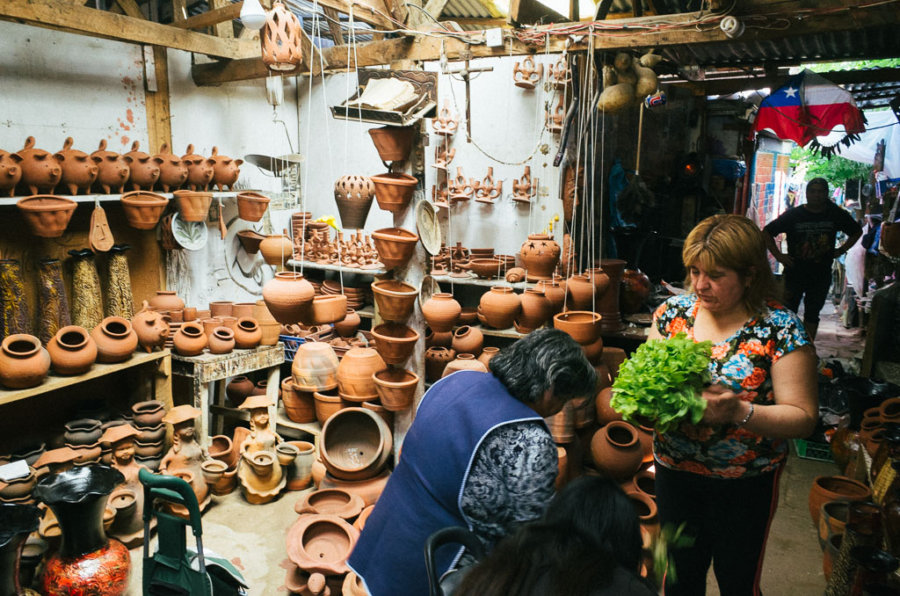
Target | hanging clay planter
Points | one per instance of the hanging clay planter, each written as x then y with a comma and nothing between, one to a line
46,215
393,142
251,205
116,339
354,374
353,195
288,297
394,245
143,209
315,367
23,362
72,351
250,240
500,306
583,326
193,205
396,388
441,311
395,342
280,40
321,544
355,444
393,191
394,299
540,254
328,309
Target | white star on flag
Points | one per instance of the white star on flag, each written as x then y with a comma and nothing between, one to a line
790,92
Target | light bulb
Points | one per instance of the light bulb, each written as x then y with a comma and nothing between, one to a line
252,15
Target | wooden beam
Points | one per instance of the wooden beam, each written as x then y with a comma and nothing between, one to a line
334,25
486,22
159,116
398,10
131,8
88,21
527,12
229,12
435,8
367,11
751,83
225,28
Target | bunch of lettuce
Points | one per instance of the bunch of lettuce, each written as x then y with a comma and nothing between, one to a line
662,382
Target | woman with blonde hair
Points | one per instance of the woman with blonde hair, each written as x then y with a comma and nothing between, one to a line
720,477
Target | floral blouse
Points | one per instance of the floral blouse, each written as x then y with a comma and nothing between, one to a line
742,363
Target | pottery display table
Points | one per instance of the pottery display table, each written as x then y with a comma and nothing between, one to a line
208,373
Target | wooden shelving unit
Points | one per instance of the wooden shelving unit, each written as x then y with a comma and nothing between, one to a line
7,201
327,267
477,281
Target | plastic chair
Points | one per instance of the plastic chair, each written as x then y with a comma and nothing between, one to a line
449,582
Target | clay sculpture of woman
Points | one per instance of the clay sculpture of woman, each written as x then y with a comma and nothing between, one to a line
260,472
262,437
128,503
186,455
121,439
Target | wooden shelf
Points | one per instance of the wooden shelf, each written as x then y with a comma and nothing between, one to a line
510,333
366,312
477,281
7,201
312,428
54,382
326,267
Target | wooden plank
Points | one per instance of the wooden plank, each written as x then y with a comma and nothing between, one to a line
734,85
179,10
54,14
159,115
228,12
527,12
214,367
131,8
334,25
398,10
367,11
435,8
486,22
224,28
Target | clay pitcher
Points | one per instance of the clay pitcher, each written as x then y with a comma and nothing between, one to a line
144,168
41,170
113,170
78,169
200,170
173,172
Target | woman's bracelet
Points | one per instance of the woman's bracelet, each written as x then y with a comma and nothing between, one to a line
747,417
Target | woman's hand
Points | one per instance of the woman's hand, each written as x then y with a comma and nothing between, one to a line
724,406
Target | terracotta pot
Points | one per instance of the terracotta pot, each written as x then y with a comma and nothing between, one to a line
276,249
288,297
221,341
84,431
436,359
834,488
613,358
243,310
152,434
143,209
355,444
832,519
321,544
467,315
247,334
300,471
148,413
151,328
210,325
396,388
166,300
395,299
438,338
220,308
536,309
331,501
562,425
315,367
299,405
594,351
261,388
583,326
394,342
251,205
463,362
487,353
250,240
645,482
221,448
189,340
832,550
394,245
441,311
468,340
328,309
46,215
369,489
646,511
347,326
485,268
580,291
376,407
616,450
540,254
393,142
890,410
72,351
605,413
270,332
353,195
554,292
115,339
394,190
327,403
354,373
500,307
193,205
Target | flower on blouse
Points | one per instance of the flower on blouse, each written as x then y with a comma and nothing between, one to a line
676,326
756,378
737,367
752,347
719,351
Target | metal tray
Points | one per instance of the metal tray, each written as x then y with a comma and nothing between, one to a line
425,84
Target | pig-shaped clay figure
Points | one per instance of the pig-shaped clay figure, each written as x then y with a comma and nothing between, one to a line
172,171
114,170
40,170
144,169
78,169
200,170
10,172
151,328
225,170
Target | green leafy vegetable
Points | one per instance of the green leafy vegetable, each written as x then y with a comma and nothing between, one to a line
669,538
662,380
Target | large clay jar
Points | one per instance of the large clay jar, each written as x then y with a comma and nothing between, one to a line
487,354
616,450
393,190
166,300
189,340
500,307
72,351
581,293
221,341
238,389
436,359
78,170
608,302
347,326
315,367
23,362
144,169
468,340
396,388
554,292
394,245
441,311
536,309
116,339
276,249
463,362
540,254
395,342
834,488
247,334
321,544
353,195
288,297
355,444
583,326
354,374
151,328
395,299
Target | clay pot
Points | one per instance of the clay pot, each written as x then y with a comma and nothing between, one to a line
276,249
189,340
616,450
396,388
583,326
250,240
463,362
354,373
438,338
468,340
220,308
210,325
251,205
270,332
144,168
315,367
394,299
645,482
536,309
299,405
554,292
286,454
605,413
222,449
247,334
468,315
487,354
394,342
594,351
115,339
832,519
834,488
166,300
832,550
355,444
221,341
18,488
646,511
193,205
500,307
376,407
327,403
148,413
288,297
540,254
151,328
328,309
353,195
562,424
394,245
72,351
152,434
393,142
581,293
347,326
331,501
46,215
321,544
143,209
300,471
394,190
436,359
441,311
261,388
369,489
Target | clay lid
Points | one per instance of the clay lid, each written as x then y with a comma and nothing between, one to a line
180,414
56,456
114,434
255,401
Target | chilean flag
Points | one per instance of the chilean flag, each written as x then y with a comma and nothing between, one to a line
808,106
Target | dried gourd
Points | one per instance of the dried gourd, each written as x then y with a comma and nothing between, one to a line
609,76
646,81
627,76
616,97
650,59
622,61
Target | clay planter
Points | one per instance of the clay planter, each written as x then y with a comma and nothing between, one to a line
328,309
347,326
193,205
189,340
151,328
436,359
396,388
355,444
220,308
72,351
250,240
288,297
300,472
394,190
834,488
354,373
221,341
315,367
353,195
394,299
486,354
395,342
583,326
393,142
540,254
299,405
468,340
23,362
463,362
331,501
321,544
247,334
251,205
166,300
148,413
46,215
554,292
327,403
143,209
441,311
616,450
394,245
115,338
536,309
500,307
84,431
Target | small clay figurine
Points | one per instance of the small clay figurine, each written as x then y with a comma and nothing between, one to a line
559,73
460,188
186,455
525,75
260,471
554,119
443,155
446,123
487,191
524,189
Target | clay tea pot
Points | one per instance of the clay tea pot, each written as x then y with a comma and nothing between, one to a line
225,170
10,172
144,168
114,170
41,170
172,170
79,170
200,169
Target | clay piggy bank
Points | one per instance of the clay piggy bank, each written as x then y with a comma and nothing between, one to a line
225,170
172,171
10,172
151,327
144,169
200,169
40,170
114,170
78,169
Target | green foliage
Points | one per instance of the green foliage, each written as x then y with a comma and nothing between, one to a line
662,380
836,170
823,67
669,538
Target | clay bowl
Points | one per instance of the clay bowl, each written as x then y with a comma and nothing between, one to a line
321,543
143,209
329,309
582,325
355,444
394,190
485,268
395,342
396,388
193,205
251,205
331,501
395,299
250,241
46,215
394,245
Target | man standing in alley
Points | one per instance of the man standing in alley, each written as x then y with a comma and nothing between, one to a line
811,231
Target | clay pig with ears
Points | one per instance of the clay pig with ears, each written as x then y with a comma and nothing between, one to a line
225,170
173,172
79,170
151,327
200,169
10,172
144,169
41,170
114,170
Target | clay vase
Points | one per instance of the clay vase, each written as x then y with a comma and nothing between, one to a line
834,488
189,340
395,342
441,311
616,450
580,293
608,302
393,190
354,374
237,389
583,326
395,246
396,388
276,249
23,362
315,367
487,353
468,340
353,195
247,334
166,300
395,299
605,413
355,444
463,362
393,143
151,328
554,292
288,297
536,309
299,405
72,351
347,326
540,254
436,359
221,341
115,338
500,307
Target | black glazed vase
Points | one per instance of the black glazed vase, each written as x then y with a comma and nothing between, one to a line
16,522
